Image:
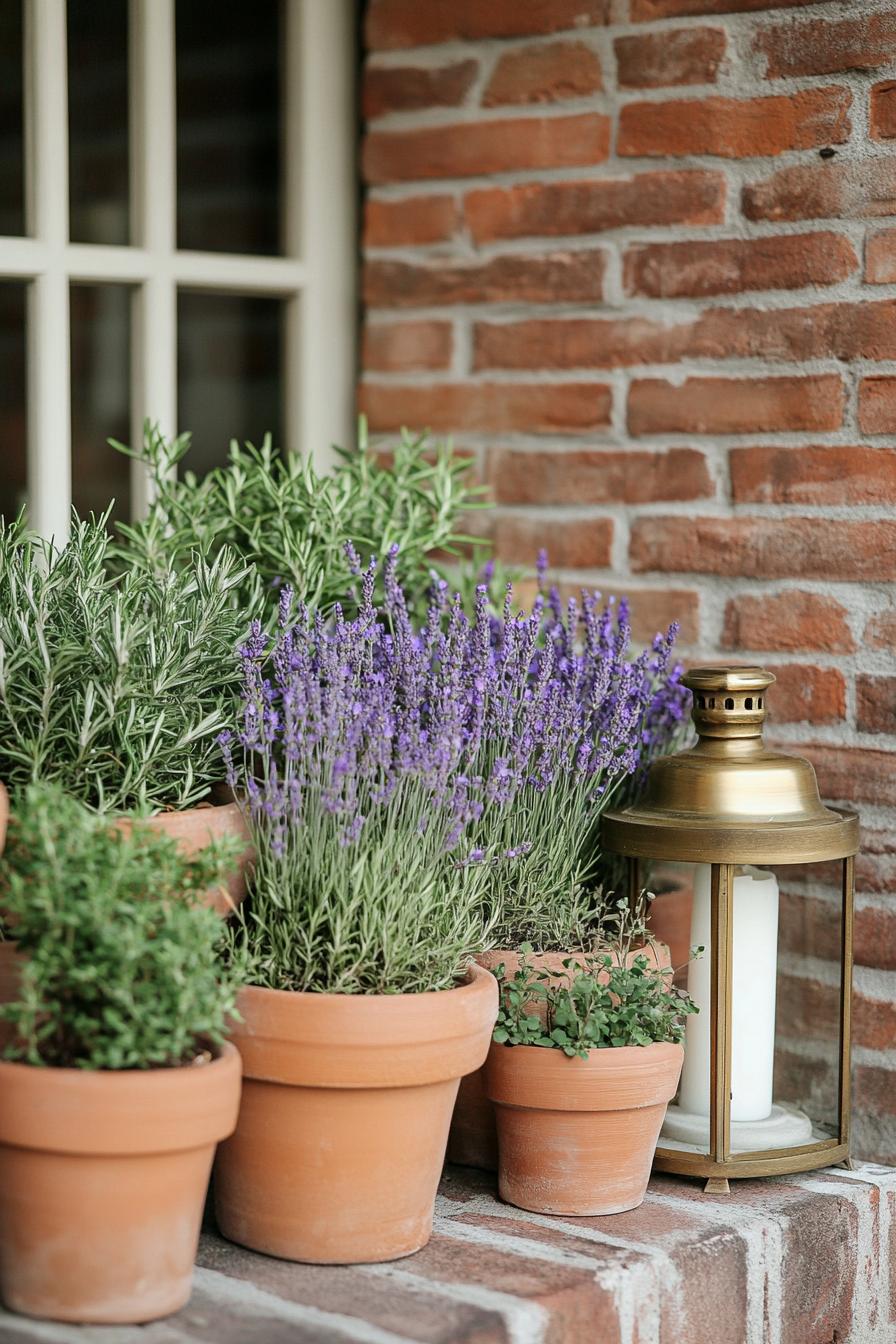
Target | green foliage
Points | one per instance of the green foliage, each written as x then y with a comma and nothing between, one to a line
114,686
290,524
120,966
612,997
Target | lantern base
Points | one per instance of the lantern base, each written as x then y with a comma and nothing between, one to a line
785,1127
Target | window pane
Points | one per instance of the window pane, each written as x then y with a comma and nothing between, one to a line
12,161
228,126
13,454
99,190
228,377
101,406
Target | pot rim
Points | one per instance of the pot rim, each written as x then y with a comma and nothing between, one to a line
366,1040
119,1111
537,1077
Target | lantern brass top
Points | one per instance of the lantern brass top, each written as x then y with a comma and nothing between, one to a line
731,799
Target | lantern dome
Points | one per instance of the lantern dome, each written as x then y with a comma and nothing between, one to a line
730,798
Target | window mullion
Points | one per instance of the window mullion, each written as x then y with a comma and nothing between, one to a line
49,367
320,196
153,160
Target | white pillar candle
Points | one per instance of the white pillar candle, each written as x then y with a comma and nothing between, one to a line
753,987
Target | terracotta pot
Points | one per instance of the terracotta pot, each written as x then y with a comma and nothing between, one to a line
344,1118
102,1179
194,829
577,1136
473,1138
4,815
670,914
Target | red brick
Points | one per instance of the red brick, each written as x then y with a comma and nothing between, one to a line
416,219
575,543
537,408
401,88
473,148
767,548
821,48
408,23
652,610
736,128
735,405
658,60
813,475
825,191
789,622
876,704
880,632
883,109
552,278
843,331
645,10
591,476
854,774
810,1009
732,265
550,209
880,258
390,347
544,74
809,926
874,1089
877,405
808,694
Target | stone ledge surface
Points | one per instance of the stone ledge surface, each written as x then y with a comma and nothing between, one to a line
796,1260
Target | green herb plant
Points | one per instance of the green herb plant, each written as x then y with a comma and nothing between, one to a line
114,685
613,997
292,525
119,961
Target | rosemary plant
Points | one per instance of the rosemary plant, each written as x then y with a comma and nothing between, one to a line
115,687
120,965
291,525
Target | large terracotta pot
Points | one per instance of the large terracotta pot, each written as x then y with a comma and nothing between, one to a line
577,1136
473,1138
194,829
344,1118
102,1180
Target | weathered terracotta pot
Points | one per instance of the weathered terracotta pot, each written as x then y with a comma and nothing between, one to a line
473,1138
344,1118
577,1136
670,914
194,829
102,1180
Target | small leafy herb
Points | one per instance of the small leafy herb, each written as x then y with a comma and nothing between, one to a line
119,964
114,686
612,997
293,526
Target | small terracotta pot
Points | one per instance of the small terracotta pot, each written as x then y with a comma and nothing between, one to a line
473,1138
194,829
344,1118
577,1136
102,1180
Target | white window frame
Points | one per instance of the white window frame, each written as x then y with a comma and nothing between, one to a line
315,277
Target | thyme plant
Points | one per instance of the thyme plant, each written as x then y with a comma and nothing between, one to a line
290,524
120,964
613,997
113,686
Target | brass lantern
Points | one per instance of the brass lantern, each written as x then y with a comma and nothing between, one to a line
728,803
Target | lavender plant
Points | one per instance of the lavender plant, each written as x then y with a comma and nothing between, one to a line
418,792
565,722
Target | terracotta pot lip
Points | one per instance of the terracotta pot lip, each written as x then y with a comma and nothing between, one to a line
226,1057
203,806
477,977
624,1054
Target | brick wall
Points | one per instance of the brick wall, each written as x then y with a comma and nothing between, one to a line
636,255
